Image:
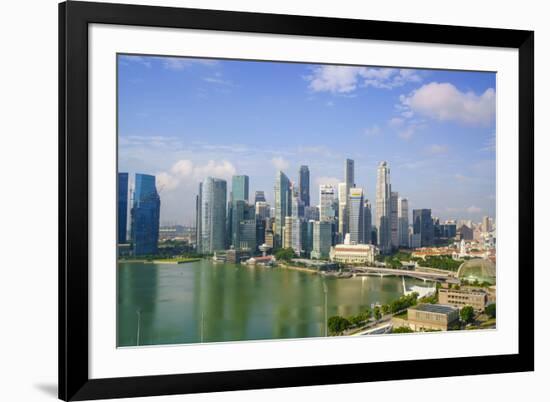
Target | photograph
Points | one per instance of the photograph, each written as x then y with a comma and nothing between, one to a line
266,200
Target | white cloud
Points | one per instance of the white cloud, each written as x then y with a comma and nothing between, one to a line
436,149
346,79
443,101
135,59
335,79
461,177
473,210
185,171
279,163
396,122
179,63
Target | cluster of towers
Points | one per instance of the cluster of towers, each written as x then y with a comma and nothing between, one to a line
342,214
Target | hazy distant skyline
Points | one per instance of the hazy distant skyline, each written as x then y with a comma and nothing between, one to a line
184,119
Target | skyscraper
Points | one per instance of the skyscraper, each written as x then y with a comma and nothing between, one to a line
282,205
403,221
213,214
259,196
122,210
394,227
322,239
198,220
262,210
355,208
349,173
383,195
485,224
367,223
303,184
343,191
423,226
145,216
239,187
327,201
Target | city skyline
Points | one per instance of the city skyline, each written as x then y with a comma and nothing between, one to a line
441,156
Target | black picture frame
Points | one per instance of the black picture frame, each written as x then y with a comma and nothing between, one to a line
74,18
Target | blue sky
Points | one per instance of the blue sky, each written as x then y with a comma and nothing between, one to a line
185,119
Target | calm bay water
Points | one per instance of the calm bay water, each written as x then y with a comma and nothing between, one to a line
202,301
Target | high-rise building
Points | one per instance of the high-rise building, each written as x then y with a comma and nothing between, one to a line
145,216
311,213
213,215
367,223
423,226
394,227
383,218
236,215
303,184
403,221
297,207
297,235
122,210
349,173
259,196
262,210
247,235
343,193
322,239
198,220
485,224
239,188
287,232
356,219
327,200
282,205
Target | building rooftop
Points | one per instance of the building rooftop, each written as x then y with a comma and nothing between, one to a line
434,308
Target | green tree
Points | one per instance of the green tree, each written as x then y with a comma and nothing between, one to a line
285,254
377,313
491,310
337,325
467,314
401,330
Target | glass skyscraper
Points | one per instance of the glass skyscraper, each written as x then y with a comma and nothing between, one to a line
122,211
303,184
383,219
145,216
282,205
423,226
239,188
213,214
355,208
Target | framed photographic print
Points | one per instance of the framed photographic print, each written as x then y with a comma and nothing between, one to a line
258,200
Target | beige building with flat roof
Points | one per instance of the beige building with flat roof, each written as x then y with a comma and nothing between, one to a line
424,317
353,253
463,297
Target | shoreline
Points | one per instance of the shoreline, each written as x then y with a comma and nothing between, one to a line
160,261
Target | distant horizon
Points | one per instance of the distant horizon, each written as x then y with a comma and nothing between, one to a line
182,120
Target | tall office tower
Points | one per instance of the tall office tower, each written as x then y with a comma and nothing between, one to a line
145,216
383,195
247,235
287,232
327,199
296,235
282,205
297,208
122,210
485,224
262,210
403,221
343,193
261,225
303,184
213,214
311,213
198,220
367,222
349,173
237,215
322,239
356,215
307,237
239,188
423,226
394,226
259,197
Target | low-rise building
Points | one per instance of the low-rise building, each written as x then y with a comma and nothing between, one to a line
353,253
424,317
476,298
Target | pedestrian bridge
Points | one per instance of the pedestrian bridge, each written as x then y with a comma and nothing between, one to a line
379,271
